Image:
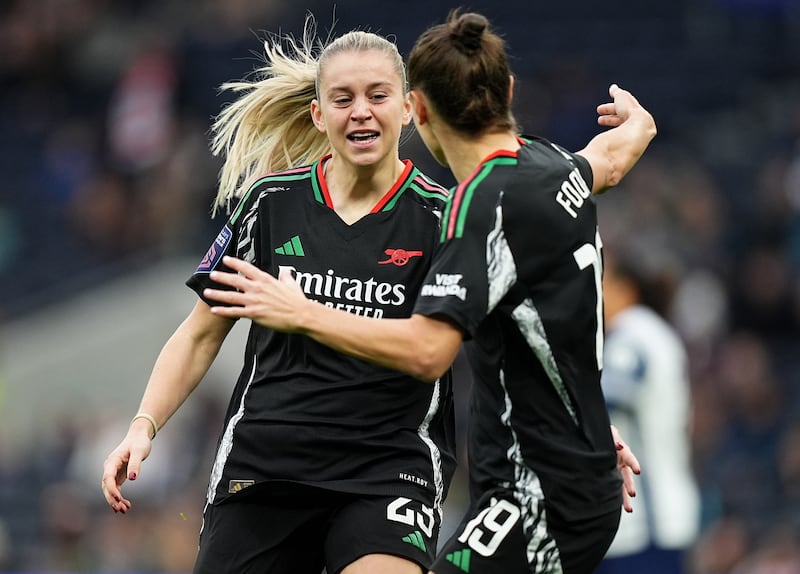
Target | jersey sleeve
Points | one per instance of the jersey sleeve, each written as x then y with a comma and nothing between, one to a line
457,284
235,234
583,165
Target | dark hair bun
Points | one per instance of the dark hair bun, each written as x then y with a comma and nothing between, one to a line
467,31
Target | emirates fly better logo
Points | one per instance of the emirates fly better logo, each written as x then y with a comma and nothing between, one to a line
399,257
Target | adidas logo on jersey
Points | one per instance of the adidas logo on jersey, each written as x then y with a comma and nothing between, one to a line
460,558
415,539
291,247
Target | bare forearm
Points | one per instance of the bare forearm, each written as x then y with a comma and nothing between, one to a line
182,363
419,346
623,146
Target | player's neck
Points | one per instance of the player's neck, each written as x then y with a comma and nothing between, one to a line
465,154
355,190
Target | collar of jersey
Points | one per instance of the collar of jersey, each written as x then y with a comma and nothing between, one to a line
505,153
489,160
322,195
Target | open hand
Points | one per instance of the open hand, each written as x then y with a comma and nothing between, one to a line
628,466
273,303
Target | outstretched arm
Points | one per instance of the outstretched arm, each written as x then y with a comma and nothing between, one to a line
180,366
423,347
613,153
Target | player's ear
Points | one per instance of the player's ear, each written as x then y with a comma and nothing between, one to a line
419,106
407,111
316,115
510,88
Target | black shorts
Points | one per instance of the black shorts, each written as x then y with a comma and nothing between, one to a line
499,536
305,529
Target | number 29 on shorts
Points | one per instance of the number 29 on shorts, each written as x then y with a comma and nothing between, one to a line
486,531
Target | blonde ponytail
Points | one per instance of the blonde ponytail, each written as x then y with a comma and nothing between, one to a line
269,127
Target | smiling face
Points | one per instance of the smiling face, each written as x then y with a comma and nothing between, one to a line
362,107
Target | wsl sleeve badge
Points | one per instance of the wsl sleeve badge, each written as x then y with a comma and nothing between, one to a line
215,252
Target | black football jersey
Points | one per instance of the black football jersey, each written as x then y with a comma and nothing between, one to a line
519,269
300,411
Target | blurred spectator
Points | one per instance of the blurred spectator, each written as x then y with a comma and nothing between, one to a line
646,385
720,548
742,470
777,551
141,122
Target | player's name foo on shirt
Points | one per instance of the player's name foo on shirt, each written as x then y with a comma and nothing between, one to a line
573,193
348,293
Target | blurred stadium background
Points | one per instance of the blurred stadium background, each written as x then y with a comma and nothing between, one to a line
104,212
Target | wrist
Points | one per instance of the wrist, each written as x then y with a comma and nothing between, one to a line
304,319
147,422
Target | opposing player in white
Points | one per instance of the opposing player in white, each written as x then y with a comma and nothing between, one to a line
645,382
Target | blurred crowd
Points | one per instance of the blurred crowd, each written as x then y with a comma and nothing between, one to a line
104,115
